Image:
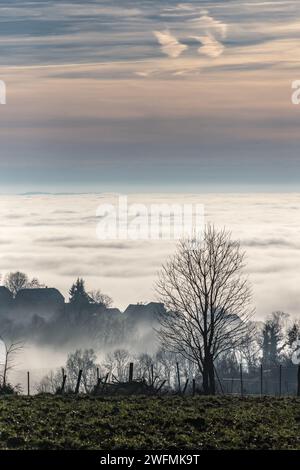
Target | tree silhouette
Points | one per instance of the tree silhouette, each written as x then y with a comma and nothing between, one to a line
208,300
17,281
78,295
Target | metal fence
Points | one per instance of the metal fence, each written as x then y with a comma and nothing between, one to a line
276,381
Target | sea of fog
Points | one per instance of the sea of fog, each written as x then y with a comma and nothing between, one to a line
54,238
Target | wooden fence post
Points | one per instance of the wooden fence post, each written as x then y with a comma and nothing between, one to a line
185,387
261,380
241,380
298,388
28,383
178,377
280,379
63,383
98,374
131,372
152,375
96,389
161,386
105,381
78,382
194,387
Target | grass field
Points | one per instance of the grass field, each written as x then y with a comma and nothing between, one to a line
46,422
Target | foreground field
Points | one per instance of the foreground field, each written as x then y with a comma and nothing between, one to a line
46,422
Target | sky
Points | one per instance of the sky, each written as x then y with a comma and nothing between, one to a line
149,96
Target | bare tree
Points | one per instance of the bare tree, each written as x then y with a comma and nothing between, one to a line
35,284
117,364
98,297
15,282
208,300
166,361
249,351
84,360
145,366
273,340
50,383
11,349
18,281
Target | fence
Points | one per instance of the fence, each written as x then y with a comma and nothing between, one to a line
274,381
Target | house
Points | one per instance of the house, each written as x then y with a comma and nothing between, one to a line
45,302
144,313
6,300
113,311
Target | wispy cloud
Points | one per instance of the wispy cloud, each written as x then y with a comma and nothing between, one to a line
210,25
211,47
169,43
209,31
212,32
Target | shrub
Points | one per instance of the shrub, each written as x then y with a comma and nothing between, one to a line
8,389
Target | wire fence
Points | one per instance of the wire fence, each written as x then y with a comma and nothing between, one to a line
276,381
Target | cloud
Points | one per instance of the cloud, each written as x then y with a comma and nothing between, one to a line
180,7
210,46
209,25
270,242
169,44
213,31
266,224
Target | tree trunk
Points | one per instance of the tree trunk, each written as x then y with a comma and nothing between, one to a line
211,374
205,379
208,376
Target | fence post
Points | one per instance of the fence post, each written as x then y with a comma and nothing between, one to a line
78,382
241,379
220,383
152,375
63,383
185,387
96,389
105,380
194,387
280,379
178,377
261,380
298,388
161,386
28,383
98,374
131,372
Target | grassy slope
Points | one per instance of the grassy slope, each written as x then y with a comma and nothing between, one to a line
149,423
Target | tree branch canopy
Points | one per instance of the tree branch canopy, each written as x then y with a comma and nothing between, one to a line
207,296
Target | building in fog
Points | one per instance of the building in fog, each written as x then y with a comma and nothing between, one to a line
6,300
44,302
